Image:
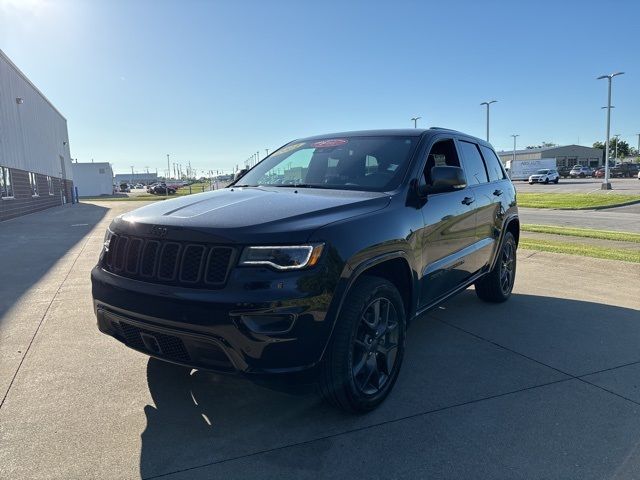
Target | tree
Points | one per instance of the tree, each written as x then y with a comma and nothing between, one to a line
623,148
544,145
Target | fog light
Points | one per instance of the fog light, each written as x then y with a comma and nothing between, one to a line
268,324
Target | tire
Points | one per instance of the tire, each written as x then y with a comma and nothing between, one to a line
556,181
546,181
530,183
355,354
494,287
582,175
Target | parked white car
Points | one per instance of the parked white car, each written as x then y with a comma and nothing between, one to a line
545,175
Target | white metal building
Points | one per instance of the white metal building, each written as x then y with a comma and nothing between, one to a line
565,155
35,163
93,179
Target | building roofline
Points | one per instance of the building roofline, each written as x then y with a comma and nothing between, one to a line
544,149
31,84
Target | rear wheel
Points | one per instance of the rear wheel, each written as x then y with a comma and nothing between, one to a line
496,286
364,357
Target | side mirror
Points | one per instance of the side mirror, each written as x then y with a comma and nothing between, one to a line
444,179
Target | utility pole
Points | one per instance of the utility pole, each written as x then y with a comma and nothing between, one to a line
606,185
617,138
514,149
258,156
487,104
132,174
638,151
166,188
267,150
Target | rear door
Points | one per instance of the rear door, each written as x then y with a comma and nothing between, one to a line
485,206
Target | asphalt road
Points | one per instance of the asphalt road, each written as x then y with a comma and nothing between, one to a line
623,219
629,186
543,386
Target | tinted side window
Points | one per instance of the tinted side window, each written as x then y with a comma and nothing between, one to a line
494,166
473,164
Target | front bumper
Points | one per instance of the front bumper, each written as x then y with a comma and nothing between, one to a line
220,330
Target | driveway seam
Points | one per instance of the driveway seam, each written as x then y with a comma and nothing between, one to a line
360,429
575,377
44,315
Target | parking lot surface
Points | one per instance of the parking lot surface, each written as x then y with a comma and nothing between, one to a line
542,386
629,186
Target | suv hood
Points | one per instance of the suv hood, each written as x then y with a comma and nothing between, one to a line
249,215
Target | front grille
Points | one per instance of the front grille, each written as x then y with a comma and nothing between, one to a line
170,347
166,262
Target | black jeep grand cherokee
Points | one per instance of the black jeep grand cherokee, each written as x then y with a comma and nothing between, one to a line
311,266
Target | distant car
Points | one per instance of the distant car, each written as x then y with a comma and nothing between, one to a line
638,175
161,189
625,170
599,173
544,175
138,185
580,171
564,171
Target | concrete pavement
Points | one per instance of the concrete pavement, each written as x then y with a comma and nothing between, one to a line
543,386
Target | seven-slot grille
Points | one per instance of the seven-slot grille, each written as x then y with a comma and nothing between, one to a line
176,263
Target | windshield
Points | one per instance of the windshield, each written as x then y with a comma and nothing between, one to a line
345,163
543,172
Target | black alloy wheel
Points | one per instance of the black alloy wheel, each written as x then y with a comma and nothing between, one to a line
507,267
375,346
365,354
497,285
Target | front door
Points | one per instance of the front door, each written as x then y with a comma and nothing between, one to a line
449,231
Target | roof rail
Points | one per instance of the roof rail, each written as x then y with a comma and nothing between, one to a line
442,128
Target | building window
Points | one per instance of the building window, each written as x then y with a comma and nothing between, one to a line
33,180
101,171
50,184
6,187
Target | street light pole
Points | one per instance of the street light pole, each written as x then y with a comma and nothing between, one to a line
606,185
514,149
415,121
616,155
638,151
166,185
487,104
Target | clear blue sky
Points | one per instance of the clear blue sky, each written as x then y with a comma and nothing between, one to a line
214,82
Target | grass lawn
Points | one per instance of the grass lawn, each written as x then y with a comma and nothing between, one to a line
148,197
574,200
583,250
583,232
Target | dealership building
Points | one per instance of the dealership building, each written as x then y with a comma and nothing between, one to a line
35,163
565,155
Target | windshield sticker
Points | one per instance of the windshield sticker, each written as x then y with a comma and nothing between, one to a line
288,149
331,142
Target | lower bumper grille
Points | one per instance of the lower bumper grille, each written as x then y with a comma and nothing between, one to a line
153,342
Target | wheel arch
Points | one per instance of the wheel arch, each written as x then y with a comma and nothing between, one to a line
394,266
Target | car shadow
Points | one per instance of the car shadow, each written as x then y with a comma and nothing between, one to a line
458,353
32,245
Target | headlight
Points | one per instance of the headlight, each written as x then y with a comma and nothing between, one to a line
282,257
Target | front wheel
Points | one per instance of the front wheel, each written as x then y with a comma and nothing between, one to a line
367,347
496,286
556,181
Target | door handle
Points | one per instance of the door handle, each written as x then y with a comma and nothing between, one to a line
497,193
468,200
